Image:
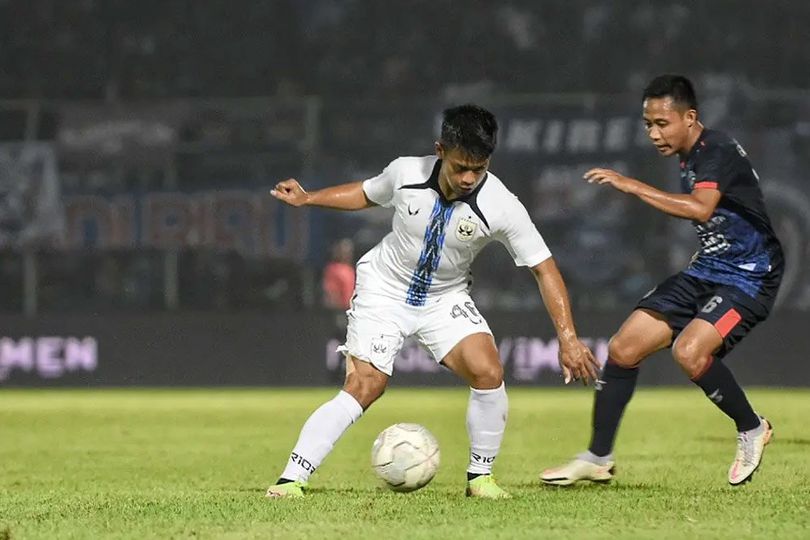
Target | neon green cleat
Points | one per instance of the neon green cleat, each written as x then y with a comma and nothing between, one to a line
290,490
484,487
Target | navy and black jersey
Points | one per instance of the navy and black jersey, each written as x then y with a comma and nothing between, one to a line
738,246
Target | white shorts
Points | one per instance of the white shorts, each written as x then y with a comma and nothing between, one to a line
378,326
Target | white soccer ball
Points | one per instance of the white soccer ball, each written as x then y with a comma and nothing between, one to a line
405,456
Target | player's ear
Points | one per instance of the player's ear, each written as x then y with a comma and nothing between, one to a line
691,117
439,149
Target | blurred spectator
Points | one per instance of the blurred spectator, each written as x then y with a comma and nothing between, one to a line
338,276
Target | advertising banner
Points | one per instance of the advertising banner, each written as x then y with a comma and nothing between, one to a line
90,133
299,349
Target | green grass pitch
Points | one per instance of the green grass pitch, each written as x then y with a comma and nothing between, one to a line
195,464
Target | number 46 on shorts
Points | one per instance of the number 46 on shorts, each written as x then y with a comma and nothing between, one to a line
466,310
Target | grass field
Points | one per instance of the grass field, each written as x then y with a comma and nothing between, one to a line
195,463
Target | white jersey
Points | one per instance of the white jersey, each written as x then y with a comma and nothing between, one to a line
434,241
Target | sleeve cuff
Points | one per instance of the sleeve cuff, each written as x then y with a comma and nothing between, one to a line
535,259
372,197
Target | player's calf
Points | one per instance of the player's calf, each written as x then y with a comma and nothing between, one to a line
364,382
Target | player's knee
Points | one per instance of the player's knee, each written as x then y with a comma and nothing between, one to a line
624,352
366,388
488,376
687,352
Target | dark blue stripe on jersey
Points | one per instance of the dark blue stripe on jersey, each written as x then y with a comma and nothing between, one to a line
430,255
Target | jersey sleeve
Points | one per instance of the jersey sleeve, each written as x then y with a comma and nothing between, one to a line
380,189
520,237
711,169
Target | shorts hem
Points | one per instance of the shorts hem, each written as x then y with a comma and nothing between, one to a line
346,352
455,342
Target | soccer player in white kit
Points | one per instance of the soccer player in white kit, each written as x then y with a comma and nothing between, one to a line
416,282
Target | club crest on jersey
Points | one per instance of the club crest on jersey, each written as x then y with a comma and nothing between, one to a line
465,229
691,177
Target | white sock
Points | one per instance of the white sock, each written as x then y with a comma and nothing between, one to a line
320,433
590,457
757,430
486,421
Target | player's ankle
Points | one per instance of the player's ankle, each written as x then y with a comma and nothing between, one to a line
755,431
591,457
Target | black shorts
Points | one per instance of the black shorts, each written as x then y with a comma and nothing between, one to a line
682,298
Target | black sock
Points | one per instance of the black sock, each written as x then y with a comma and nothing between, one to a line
617,386
284,481
719,385
473,476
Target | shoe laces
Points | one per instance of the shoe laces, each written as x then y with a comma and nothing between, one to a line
487,479
745,446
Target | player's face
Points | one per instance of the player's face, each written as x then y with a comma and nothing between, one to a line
668,125
460,172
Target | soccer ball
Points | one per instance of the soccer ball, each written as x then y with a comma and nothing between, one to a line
405,456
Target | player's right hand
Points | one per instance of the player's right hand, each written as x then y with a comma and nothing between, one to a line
578,363
290,192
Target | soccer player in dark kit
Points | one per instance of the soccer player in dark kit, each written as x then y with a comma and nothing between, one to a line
704,311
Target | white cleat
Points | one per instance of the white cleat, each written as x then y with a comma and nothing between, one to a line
749,454
576,470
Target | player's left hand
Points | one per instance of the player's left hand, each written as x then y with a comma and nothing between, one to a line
609,176
577,362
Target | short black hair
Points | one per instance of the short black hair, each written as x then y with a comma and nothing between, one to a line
471,128
678,87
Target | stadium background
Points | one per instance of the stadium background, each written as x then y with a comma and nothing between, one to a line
139,244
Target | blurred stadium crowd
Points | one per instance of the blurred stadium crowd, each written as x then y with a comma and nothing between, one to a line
147,133
108,49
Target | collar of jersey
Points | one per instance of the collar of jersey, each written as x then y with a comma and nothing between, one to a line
433,183
699,143
470,198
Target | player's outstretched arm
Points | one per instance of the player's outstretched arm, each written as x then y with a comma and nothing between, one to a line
577,360
349,196
698,205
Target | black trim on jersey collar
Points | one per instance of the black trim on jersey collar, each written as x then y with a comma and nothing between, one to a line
471,198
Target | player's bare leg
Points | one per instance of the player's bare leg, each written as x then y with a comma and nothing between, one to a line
475,359
694,351
364,384
643,333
